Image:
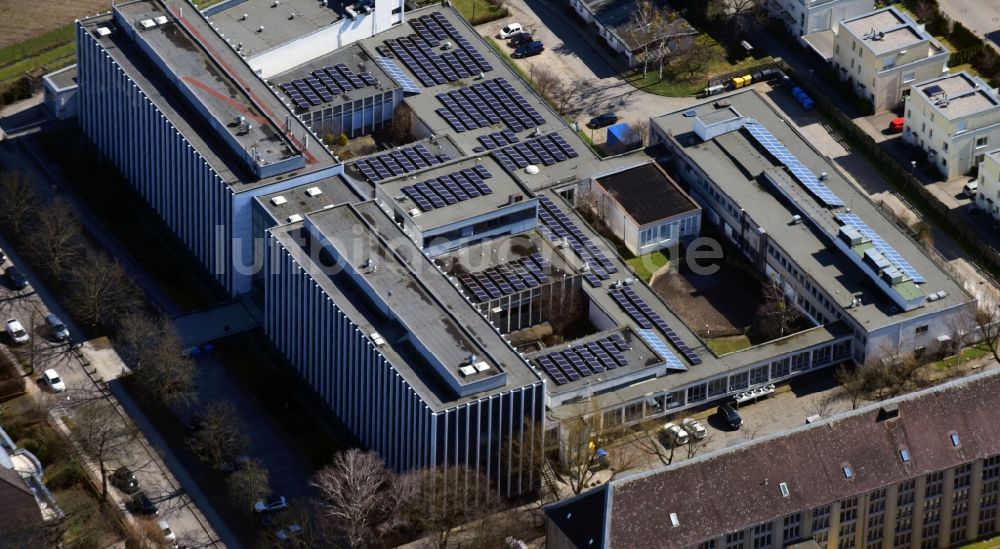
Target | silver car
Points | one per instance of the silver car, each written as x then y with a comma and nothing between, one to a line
59,330
694,428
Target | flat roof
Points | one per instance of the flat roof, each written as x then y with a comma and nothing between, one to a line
647,193
501,183
63,78
279,26
734,161
356,59
219,78
896,29
966,95
332,191
430,306
617,16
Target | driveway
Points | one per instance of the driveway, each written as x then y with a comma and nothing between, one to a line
573,54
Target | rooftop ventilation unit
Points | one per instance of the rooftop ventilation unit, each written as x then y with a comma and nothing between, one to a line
377,339
160,20
147,24
244,17
294,218
414,212
260,28
481,366
276,3
467,371
314,191
823,176
103,31
278,200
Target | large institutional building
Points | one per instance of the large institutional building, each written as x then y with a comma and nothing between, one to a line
916,472
444,294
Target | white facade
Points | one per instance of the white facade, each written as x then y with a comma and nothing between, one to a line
60,92
802,17
988,195
955,119
882,53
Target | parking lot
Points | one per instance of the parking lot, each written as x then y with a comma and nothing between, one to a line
572,54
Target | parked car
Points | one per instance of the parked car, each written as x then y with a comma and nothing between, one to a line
675,434
140,504
51,378
509,30
730,416
271,505
602,120
694,428
286,534
971,188
528,50
17,278
124,479
520,38
16,331
168,533
896,125
59,330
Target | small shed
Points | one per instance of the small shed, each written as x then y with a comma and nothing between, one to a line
622,138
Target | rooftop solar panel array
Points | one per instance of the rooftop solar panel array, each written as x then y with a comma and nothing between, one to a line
394,72
548,149
507,279
325,84
449,189
802,173
890,253
430,66
646,318
657,344
397,162
487,103
558,225
585,360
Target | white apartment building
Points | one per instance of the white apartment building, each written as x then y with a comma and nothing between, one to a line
882,53
954,118
803,17
988,197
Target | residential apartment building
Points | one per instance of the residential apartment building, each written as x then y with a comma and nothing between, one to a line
920,471
802,17
884,52
954,118
988,194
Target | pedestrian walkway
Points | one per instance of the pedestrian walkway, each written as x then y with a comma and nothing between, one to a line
217,322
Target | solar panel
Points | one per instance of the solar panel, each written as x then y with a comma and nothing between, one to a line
657,344
394,72
799,170
852,220
636,308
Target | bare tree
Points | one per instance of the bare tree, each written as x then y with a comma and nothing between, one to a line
103,434
222,436
153,349
988,323
961,330
652,441
357,495
102,292
647,25
145,534
776,316
695,446
439,500
252,482
34,352
885,377
18,201
583,454
545,80
56,243
300,530
742,16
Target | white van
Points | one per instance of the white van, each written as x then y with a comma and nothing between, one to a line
971,188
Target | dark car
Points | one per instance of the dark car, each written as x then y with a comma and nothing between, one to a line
729,415
17,278
527,50
140,504
124,479
602,120
520,38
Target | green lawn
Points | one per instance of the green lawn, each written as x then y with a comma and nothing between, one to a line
970,353
479,11
991,543
682,81
53,50
726,345
645,265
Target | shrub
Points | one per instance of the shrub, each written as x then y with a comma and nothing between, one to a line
67,477
342,139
